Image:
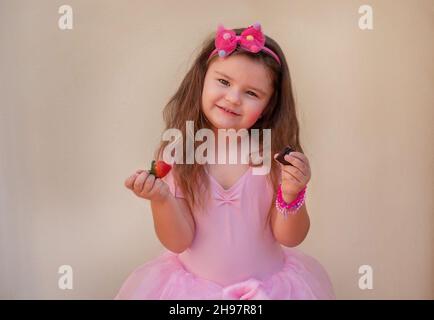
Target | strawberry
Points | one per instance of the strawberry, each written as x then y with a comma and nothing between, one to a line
160,168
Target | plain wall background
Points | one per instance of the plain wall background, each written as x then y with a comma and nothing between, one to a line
80,110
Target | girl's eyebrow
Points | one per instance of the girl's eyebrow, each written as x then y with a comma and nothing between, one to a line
226,76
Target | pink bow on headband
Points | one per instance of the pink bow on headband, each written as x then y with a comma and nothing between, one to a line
251,39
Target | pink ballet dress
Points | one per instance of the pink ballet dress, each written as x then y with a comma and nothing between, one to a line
233,256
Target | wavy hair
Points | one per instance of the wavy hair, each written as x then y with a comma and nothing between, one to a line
279,116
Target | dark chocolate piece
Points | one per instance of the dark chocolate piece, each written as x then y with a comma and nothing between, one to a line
282,154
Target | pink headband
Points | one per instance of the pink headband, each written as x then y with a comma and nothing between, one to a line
251,39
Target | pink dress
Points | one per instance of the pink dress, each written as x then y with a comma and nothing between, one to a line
232,255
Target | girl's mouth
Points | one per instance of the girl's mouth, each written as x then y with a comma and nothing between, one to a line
227,111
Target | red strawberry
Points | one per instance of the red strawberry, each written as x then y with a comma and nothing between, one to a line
160,168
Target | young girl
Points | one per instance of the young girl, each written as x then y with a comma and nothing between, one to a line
228,231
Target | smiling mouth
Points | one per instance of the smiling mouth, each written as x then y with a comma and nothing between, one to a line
228,111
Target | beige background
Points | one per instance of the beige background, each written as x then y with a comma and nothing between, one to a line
81,110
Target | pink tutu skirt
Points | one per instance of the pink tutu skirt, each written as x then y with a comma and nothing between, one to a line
165,278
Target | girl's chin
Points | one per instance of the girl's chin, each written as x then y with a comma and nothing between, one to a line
225,126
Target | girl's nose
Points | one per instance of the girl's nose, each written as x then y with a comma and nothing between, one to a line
233,97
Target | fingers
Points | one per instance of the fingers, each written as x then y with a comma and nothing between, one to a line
298,172
300,156
130,180
297,164
143,182
296,168
293,174
148,185
157,189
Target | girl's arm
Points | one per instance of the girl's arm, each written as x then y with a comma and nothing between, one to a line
173,223
291,231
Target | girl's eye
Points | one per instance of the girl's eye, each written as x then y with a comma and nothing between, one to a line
226,83
223,81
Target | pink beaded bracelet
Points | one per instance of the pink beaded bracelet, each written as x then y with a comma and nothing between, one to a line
289,208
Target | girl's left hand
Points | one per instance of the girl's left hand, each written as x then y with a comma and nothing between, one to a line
295,177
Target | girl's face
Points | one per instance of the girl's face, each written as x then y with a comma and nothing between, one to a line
235,92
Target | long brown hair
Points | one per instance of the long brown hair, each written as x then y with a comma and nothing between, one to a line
279,116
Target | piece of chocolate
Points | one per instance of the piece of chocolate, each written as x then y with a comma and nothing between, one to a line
282,154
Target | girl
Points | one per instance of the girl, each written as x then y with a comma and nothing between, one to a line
229,232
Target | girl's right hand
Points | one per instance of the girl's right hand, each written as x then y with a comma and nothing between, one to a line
146,186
